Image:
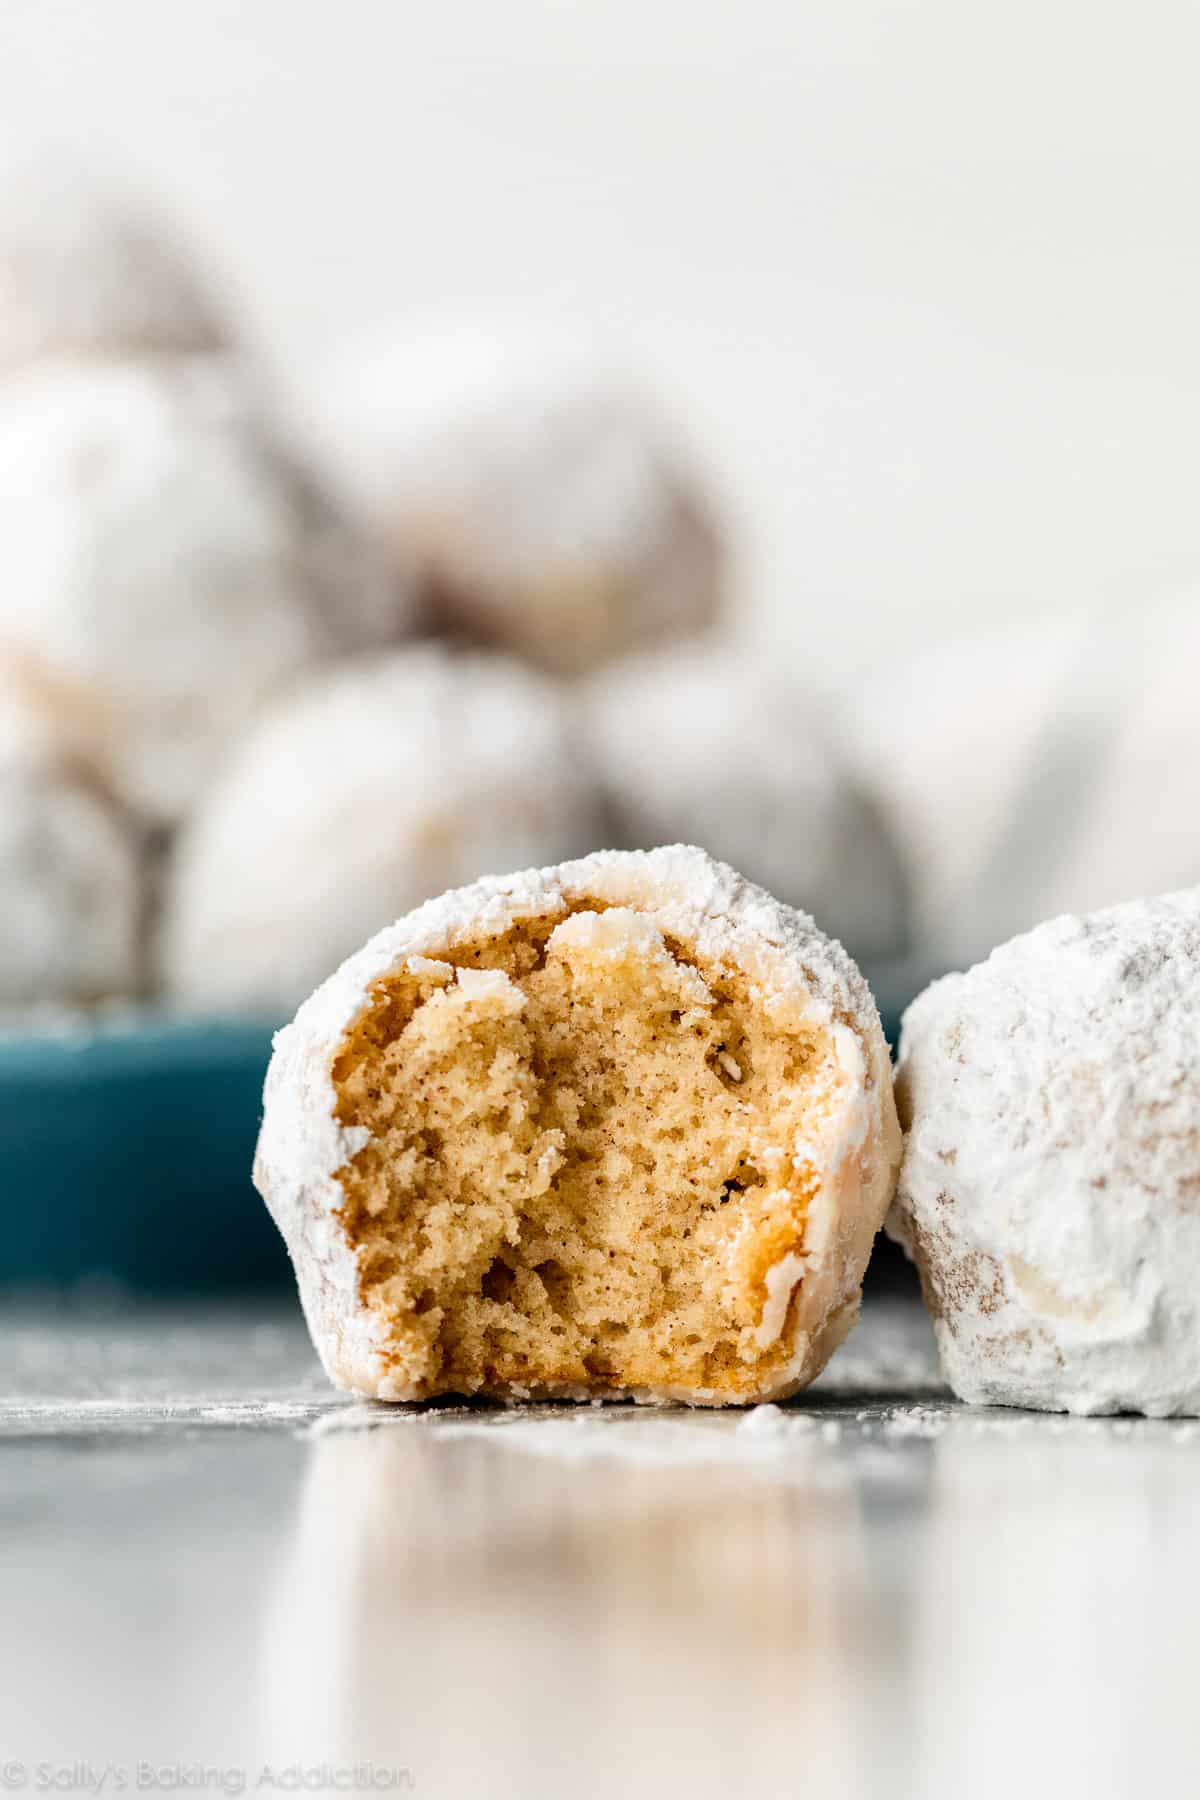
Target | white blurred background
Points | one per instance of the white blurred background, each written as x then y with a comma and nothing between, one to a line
924,280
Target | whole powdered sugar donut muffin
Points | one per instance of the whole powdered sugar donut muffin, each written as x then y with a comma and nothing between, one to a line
714,747
533,491
164,555
83,273
372,787
70,863
619,1128
1050,1192
1047,767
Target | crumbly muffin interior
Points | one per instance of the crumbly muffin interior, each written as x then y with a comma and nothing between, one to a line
587,1164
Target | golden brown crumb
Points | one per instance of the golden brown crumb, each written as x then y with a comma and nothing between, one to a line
577,1171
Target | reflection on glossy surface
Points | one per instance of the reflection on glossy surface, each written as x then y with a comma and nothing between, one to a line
474,1610
864,1595
1056,1607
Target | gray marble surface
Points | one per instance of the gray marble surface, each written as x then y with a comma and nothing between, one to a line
218,1575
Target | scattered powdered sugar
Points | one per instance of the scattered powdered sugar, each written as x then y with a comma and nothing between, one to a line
915,1422
893,1351
136,1412
771,1424
356,1415
766,1434
647,1440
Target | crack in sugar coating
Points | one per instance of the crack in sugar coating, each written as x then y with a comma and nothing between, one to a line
585,1158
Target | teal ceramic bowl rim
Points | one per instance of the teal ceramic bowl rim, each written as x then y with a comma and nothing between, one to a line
134,1040
126,1144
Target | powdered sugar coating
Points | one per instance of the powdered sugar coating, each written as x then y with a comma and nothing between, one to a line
70,865
82,273
535,490
795,970
372,786
713,747
163,555
1051,1175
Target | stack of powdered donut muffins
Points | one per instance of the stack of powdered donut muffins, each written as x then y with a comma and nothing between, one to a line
262,689
623,1122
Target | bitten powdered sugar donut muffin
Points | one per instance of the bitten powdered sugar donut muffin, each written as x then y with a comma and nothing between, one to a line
371,788
83,273
162,555
713,747
623,1127
1051,1175
70,867
534,492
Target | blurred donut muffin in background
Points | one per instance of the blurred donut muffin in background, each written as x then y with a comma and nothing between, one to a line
710,746
163,553
373,787
83,272
535,494
1048,768
71,890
